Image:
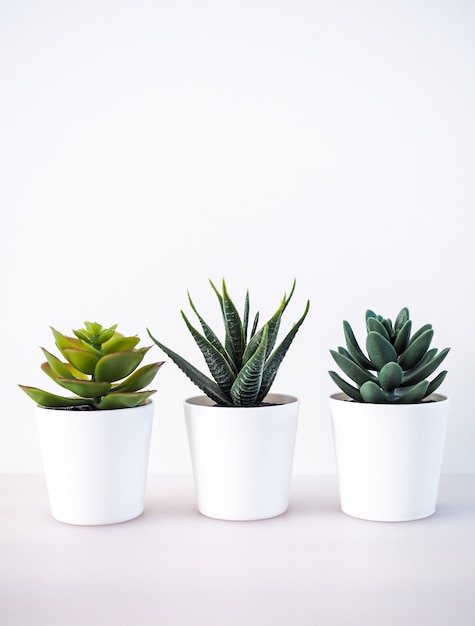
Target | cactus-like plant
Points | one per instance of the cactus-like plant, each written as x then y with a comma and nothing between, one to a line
243,367
397,365
100,368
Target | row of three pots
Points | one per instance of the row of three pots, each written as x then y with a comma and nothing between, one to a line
388,458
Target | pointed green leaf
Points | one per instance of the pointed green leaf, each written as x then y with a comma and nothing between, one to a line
140,378
421,330
208,386
354,349
435,384
245,319
123,400
390,376
83,360
64,370
245,389
350,391
234,344
117,365
371,392
424,368
352,369
416,350
218,366
275,359
380,350
93,327
414,394
50,400
402,338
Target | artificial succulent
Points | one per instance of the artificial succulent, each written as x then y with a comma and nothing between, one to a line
245,365
397,365
100,368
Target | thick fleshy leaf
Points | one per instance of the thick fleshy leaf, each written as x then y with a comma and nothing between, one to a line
93,327
416,350
425,368
373,324
245,389
414,394
82,360
352,369
371,392
84,388
59,368
234,344
350,391
116,366
140,378
46,399
401,319
207,386
354,348
120,344
435,384
390,376
380,350
123,400
403,336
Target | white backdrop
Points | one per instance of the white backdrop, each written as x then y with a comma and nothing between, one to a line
148,145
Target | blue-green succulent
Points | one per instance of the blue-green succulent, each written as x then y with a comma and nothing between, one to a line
397,363
244,366
100,368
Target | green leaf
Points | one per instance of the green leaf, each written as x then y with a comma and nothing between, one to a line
424,368
84,388
211,336
120,344
245,389
94,328
107,334
401,319
245,319
390,376
218,365
402,338
414,394
435,384
117,365
352,369
380,350
207,386
346,387
376,326
123,400
139,379
50,400
83,360
421,330
64,370
234,344
371,392
354,349
275,359
416,350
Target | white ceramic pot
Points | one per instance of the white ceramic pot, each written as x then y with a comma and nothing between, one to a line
95,462
389,457
242,456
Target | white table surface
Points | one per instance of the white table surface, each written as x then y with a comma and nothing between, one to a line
313,566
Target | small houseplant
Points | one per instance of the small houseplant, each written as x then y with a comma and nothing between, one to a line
388,424
95,443
241,436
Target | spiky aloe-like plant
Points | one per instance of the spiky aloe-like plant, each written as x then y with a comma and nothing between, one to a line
100,368
243,368
397,364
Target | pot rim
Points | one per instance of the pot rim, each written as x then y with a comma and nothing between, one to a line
277,399
434,397
67,411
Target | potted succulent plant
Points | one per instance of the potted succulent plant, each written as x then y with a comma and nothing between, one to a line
95,444
389,427
241,436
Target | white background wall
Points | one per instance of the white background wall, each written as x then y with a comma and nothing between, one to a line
147,146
